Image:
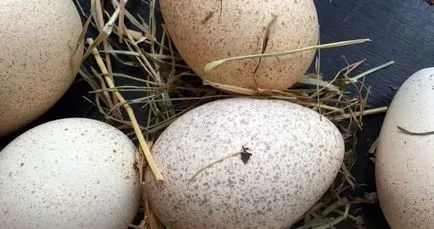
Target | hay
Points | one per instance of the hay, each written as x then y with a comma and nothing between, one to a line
162,88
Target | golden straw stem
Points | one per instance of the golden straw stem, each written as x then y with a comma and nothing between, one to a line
213,163
364,113
154,168
356,78
210,66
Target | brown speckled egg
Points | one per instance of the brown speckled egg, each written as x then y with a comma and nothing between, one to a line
295,155
69,173
37,58
404,163
204,31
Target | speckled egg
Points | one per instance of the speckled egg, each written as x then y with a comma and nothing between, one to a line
204,31
69,173
404,162
243,163
38,57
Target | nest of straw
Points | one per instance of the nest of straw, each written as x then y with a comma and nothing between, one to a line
135,71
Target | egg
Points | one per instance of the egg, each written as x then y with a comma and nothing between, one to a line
38,58
404,161
243,163
205,31
69,173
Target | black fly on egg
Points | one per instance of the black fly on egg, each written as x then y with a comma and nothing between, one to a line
245,154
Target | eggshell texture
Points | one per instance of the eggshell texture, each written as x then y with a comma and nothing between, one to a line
405,163
296,155
204,31
69,173
37,58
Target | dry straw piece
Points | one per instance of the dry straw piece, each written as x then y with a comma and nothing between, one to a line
154,87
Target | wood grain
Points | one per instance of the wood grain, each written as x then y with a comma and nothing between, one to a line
401,30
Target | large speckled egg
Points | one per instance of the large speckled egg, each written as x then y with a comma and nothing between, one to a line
204,31
69,173
404,162
38,61
295,155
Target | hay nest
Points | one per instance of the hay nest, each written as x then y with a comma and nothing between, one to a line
135,71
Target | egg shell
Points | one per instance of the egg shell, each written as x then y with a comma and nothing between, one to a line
38,61
296,154
205,31
405,163
69,173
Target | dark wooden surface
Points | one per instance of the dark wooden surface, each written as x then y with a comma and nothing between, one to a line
401,30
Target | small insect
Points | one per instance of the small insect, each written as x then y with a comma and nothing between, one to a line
431,2
245,155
